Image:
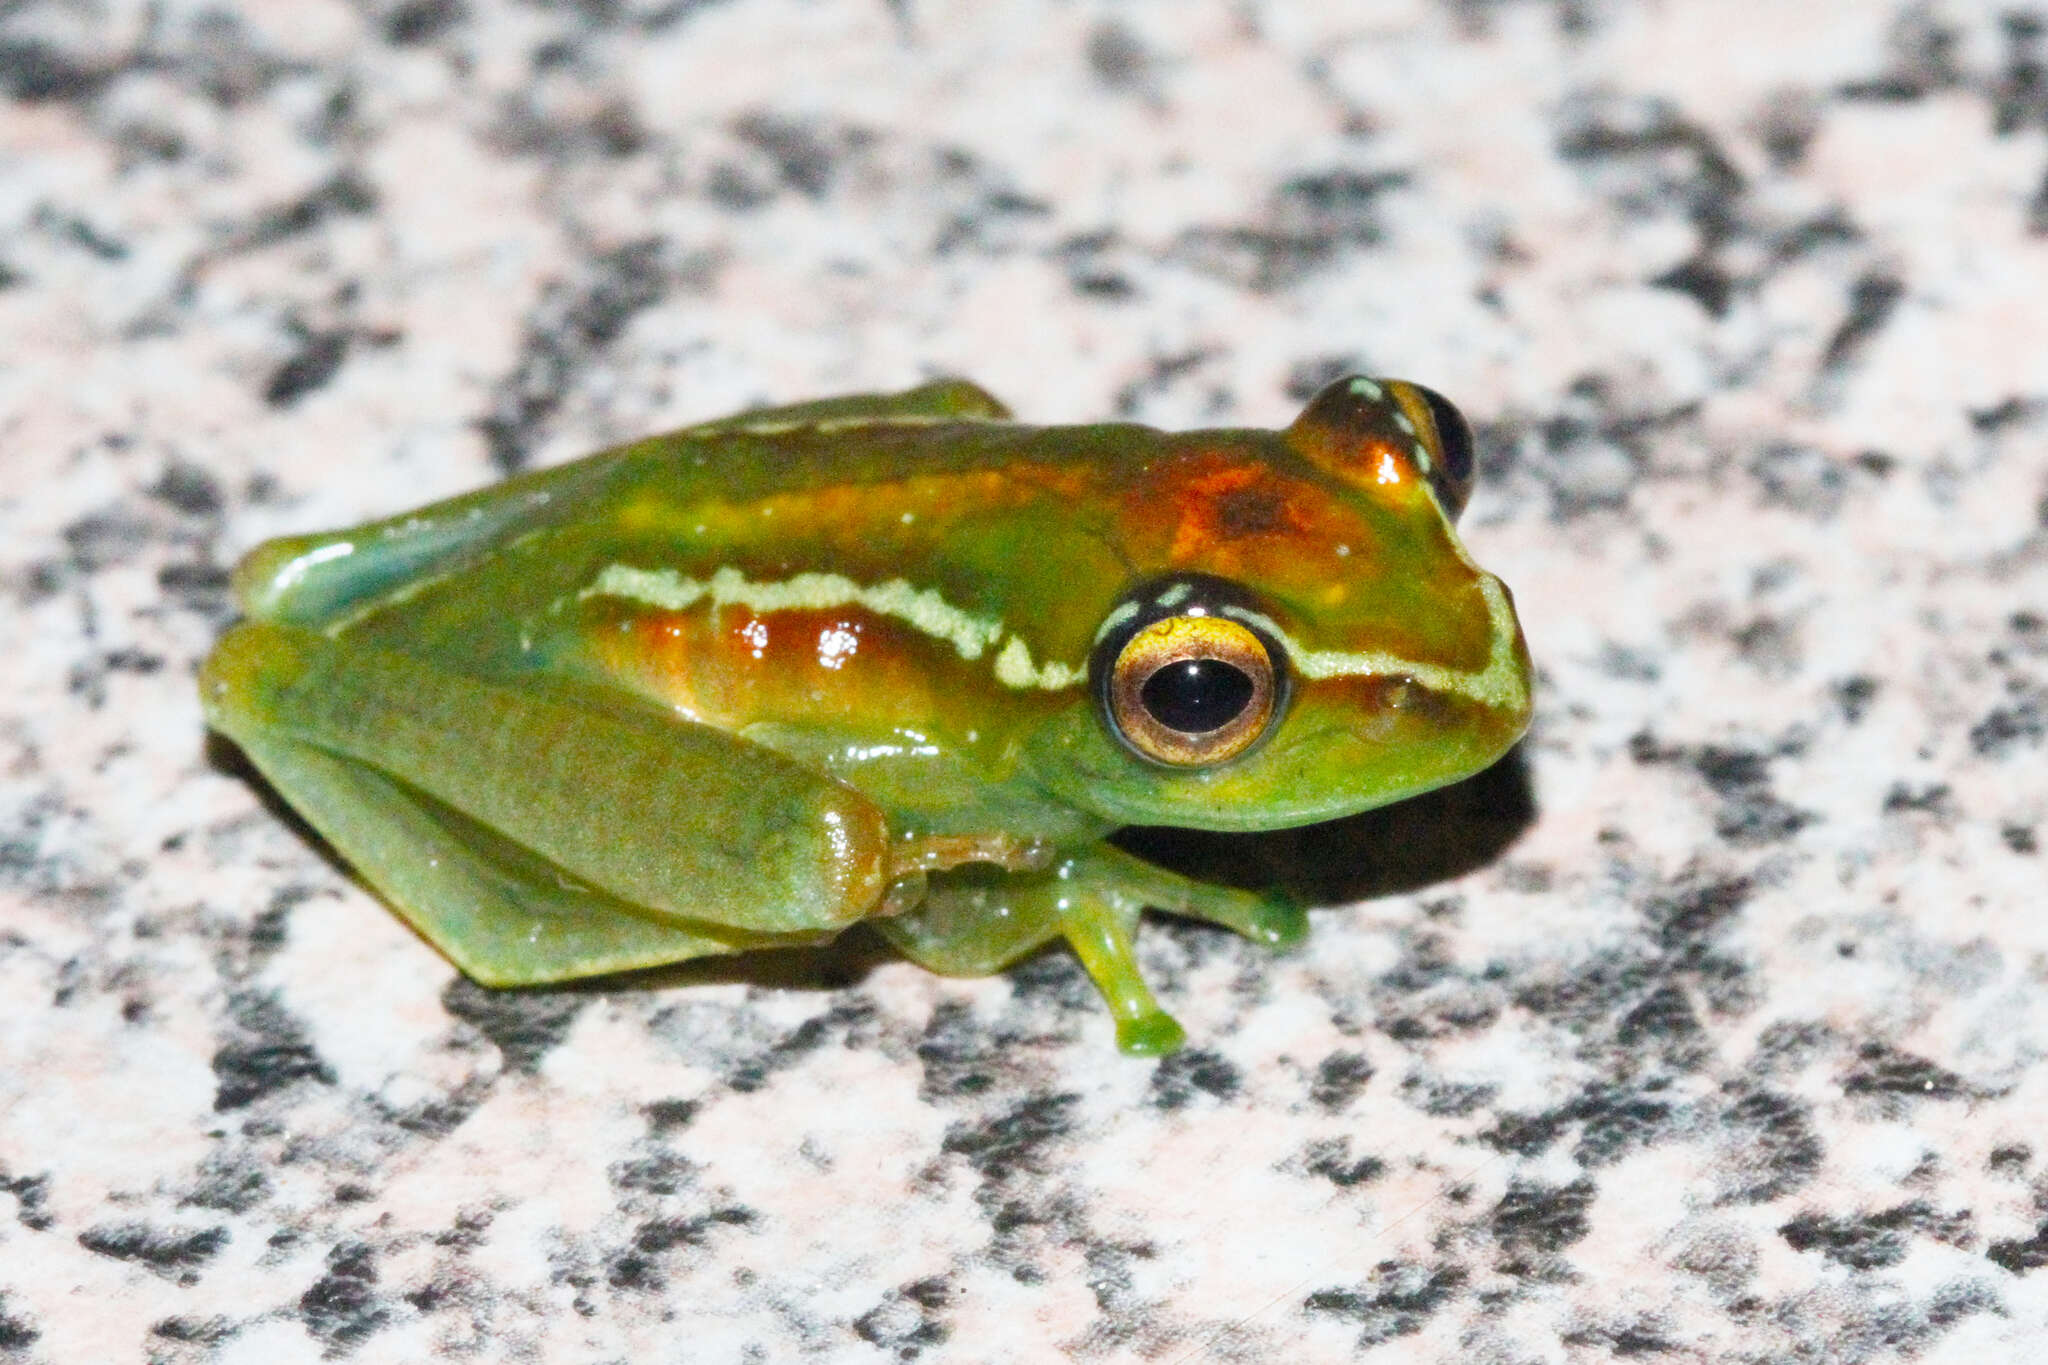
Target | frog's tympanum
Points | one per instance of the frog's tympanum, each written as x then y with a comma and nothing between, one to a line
897,660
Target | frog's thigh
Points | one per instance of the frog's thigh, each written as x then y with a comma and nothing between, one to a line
977,921
676,819
504,916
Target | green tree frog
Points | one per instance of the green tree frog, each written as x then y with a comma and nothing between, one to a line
895,659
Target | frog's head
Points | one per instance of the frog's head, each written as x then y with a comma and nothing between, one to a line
1304,636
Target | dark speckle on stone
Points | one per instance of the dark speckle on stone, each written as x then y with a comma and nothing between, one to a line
961,1055
2006,730
188,489
174,1254
1881,1070
1772,1144
344,194
1180,1076
1612,1120
804,159
1312,220
1443,1098
1751,815
909,1321
233,1182
845,1019
524,1025
101,539
422,21
199,1331
1787,127
2020,1255
1701,281
568,330
201,588
309,368
1875,1240
1652,161
1018,1140
1800,478
16,1333
2010,1160
669,1116
2010,411
1117,57
250,1071
31,1199
639,1266
1541,1219
33,71
1331,1158
1922,59
1340,1078
656,1173
268,1054
1854,696
1396,1300
341,1307
1934,799
1872,300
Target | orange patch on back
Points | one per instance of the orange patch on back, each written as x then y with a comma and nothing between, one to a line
731,667
1219,501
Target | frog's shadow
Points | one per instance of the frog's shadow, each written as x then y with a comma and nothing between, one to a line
1403,847
1411,844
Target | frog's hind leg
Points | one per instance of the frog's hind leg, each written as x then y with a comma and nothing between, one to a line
976,921
538,835
504,916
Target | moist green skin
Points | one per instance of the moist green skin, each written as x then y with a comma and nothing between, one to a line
750,682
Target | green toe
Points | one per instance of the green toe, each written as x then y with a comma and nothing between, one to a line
1281,921
1149,1035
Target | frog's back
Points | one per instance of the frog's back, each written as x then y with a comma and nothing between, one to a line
867,496
887,561
328,577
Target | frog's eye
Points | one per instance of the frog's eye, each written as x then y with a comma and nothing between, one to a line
1381,434
1182,683
1450,469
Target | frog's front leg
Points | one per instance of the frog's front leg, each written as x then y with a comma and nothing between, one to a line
978,920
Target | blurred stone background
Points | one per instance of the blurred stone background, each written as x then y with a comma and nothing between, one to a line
1708,1027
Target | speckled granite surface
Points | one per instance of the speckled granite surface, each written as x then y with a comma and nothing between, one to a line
1712,1026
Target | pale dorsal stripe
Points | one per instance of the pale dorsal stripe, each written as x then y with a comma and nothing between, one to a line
971,636
830,426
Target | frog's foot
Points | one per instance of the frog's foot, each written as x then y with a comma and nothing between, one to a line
1270,917
977,920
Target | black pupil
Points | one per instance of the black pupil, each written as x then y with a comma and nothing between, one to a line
1195,696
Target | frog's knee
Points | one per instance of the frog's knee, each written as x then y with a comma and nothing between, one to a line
239,681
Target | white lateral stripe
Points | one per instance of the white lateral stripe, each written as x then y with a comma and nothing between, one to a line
971,636
1497,684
